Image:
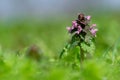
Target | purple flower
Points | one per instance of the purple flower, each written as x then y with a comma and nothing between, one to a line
93,31
79,29
93,26
75,29
74,23
88,17
69,29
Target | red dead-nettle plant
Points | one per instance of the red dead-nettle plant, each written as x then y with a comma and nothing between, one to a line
81,44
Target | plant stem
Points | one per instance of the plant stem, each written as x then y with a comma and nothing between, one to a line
81,56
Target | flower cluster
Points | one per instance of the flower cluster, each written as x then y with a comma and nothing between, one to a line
81,26
82,40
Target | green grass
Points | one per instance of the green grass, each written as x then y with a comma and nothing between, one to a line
50,36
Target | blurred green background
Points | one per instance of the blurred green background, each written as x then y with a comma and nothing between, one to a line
43,23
